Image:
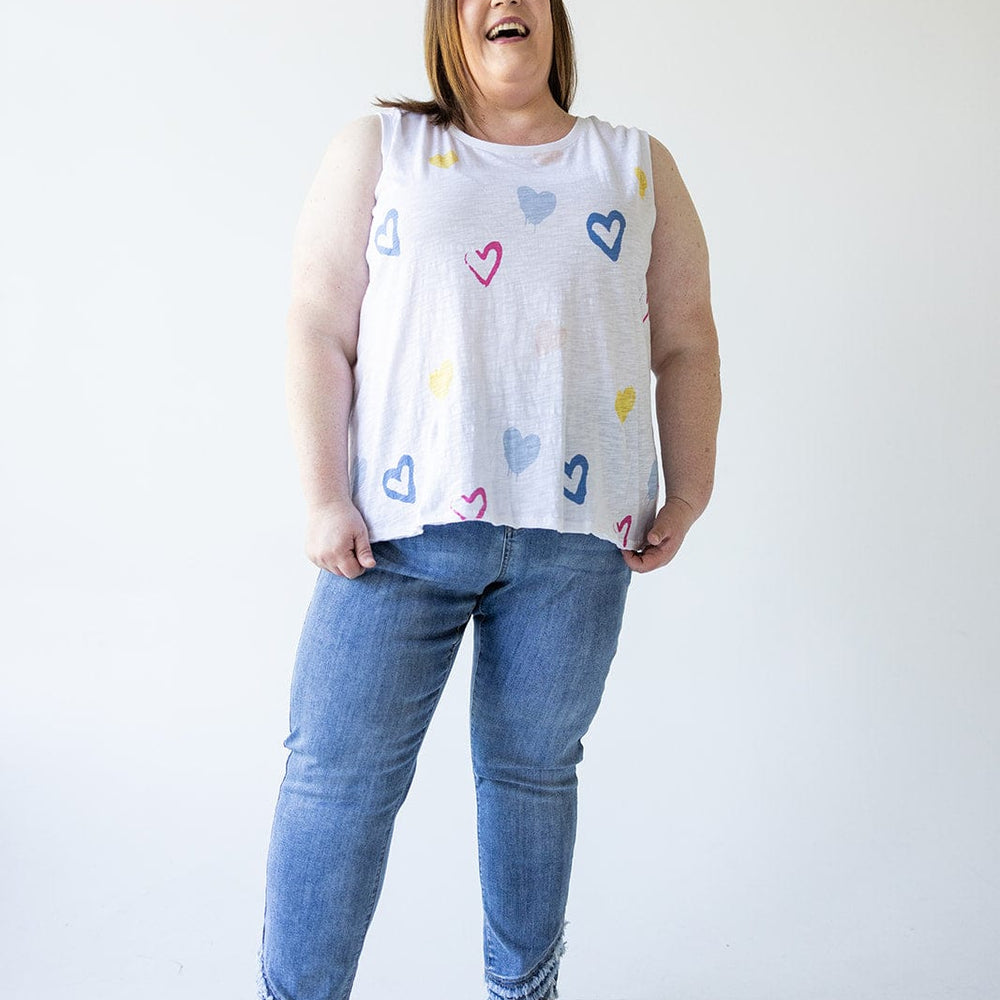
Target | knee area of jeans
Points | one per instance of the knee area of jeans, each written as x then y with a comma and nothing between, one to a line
542,777
501,760
363,747
539,984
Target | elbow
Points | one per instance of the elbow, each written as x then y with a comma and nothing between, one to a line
690,340
321,332
703,356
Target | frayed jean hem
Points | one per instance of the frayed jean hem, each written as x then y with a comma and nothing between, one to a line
537,985
540,984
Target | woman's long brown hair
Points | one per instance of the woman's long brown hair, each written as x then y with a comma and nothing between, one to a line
448,72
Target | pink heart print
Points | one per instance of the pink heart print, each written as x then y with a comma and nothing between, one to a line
463,503
626,523
490,248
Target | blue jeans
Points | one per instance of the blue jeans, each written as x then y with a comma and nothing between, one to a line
374,655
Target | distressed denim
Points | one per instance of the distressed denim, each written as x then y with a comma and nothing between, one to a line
373,658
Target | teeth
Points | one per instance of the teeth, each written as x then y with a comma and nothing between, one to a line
521,30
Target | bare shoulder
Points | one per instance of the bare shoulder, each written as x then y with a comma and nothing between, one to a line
354,153
342,192
328,253
361,137
662,157
678,278
677,227
669,190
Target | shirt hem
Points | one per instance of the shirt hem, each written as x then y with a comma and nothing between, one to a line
393,534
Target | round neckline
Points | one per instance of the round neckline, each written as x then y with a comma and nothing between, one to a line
532,150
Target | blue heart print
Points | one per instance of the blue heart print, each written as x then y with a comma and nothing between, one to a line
653,485
580,493
392,216
536,205
606,222
520,451
405,462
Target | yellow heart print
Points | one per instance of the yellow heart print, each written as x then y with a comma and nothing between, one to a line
441,379
624,401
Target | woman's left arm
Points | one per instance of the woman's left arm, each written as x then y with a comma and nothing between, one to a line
684,357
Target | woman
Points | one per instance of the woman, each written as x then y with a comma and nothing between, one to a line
482,283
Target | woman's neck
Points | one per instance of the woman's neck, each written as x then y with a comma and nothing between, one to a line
525,125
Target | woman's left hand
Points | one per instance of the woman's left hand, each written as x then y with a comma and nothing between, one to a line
665,537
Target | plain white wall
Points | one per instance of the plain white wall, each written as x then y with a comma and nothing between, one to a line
791,789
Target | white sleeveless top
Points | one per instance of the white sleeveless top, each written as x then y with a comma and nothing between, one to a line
503,361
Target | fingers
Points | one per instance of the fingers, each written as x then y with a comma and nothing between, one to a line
363,551
665,536
337,539
645,561
340,564
357,560
653,556
346,562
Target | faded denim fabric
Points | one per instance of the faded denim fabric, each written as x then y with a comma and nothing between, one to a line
373,657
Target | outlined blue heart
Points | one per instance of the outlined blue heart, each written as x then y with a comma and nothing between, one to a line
387,235
520,451
536,205
580,493
396,475
606,222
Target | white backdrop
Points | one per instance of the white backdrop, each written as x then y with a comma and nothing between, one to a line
791,789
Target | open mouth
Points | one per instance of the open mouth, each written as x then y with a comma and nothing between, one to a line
507,29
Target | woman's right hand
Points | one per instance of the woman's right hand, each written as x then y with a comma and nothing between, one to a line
337,539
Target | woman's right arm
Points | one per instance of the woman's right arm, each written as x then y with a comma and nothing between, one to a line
329,278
